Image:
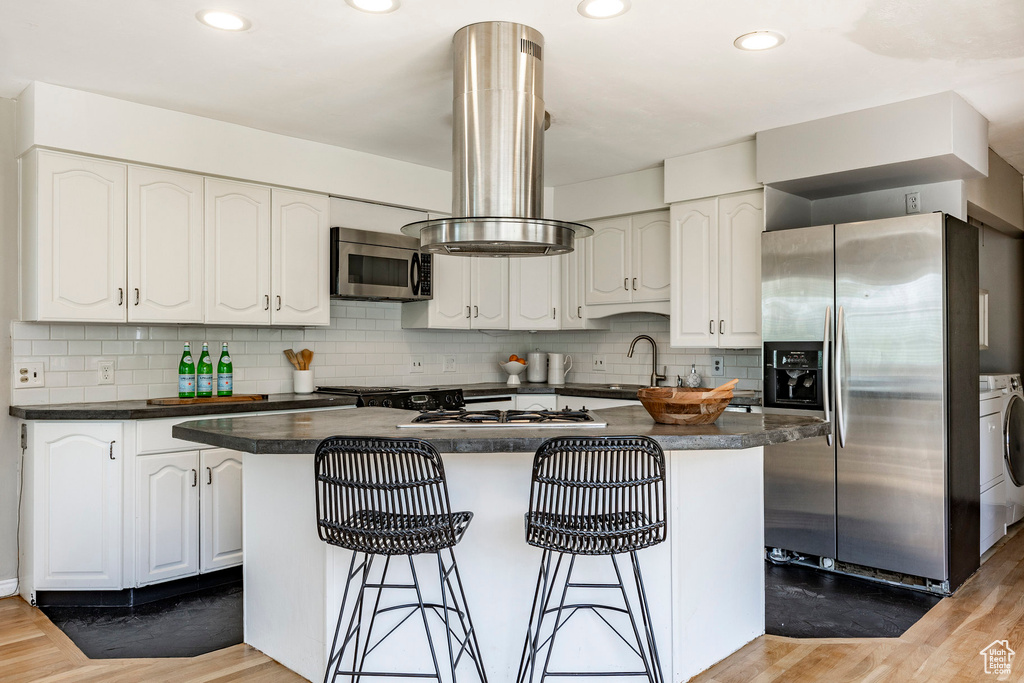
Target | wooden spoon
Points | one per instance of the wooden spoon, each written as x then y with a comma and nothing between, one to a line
307,358
724,387
292,358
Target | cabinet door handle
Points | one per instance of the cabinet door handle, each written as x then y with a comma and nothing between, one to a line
120,295
625,283
476,311
209,476
634,284
579,311
136,296
467,311
711,326
195,478
721,325
552,314
112,450
266,302
279,302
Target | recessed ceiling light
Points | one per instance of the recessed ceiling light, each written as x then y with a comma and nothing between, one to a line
602,9
374,6
759,40
225,21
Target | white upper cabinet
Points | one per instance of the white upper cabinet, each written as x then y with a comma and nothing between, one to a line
627,263
716,258
650,277
489,277
469,293
301,258
572,316
165,246
535,292
608,264
237,253
73,238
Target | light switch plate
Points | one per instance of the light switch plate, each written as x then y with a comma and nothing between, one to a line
600,363
28,375
416,365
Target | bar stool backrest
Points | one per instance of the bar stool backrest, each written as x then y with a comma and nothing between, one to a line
597,495
382,488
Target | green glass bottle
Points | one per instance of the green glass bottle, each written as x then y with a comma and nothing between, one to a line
204,373
225,380
186,375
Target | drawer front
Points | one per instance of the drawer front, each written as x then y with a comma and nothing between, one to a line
154,436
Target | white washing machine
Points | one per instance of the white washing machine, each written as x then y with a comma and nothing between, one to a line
1011,395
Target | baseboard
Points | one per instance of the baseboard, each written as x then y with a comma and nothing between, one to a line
8,587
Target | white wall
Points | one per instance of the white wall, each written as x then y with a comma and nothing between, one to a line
1001,272
998,200
76,121
10,454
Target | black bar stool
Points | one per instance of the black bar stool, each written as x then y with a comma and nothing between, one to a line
389,497
593,496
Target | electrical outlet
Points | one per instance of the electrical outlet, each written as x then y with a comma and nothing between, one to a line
28,375
599,364
913,202
417,365
449,364
717,366
105,372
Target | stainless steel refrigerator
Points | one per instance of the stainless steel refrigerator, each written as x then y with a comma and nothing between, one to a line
877,322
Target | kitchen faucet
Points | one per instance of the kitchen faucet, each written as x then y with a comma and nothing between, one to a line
655,377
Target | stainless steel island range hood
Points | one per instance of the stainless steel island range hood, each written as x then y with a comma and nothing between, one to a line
498,151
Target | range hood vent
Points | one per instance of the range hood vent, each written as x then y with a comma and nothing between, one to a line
498,151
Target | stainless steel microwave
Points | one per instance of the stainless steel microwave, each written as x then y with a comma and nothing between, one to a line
377,266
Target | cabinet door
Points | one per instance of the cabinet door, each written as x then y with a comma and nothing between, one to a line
77,520
77,270
608,261
490,293
165,246
694,312
237,240
220,537
452,281
167,490
534,292
571,316
651,276
740,224
301,259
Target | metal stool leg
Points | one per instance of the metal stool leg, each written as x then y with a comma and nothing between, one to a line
336,654
469,643
652,644
541,596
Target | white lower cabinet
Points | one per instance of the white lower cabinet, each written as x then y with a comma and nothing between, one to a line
189,513
591,403
220,525
72,530
168,516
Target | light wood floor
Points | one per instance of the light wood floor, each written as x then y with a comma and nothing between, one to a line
942,647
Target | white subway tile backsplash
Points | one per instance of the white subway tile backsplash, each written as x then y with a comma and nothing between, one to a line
364,345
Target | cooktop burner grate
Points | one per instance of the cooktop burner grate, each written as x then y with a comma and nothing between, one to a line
505,418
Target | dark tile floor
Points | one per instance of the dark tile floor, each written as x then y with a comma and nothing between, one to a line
176,627
801,602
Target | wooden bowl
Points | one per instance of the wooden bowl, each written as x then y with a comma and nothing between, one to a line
684,405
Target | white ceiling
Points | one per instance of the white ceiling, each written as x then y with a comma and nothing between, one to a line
624,93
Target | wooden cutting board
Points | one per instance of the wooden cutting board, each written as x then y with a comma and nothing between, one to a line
237,398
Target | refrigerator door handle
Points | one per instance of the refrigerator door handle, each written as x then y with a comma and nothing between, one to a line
840,418
825,367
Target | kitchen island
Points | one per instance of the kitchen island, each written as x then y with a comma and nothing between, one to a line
705,584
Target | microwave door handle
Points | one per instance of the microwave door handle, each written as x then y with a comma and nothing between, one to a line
414,273
825,366
840,336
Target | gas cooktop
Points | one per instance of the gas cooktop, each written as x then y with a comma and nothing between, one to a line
505,418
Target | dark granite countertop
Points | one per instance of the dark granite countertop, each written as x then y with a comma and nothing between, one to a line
301,432
140,410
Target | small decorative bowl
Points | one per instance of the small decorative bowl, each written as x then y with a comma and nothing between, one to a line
514,368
